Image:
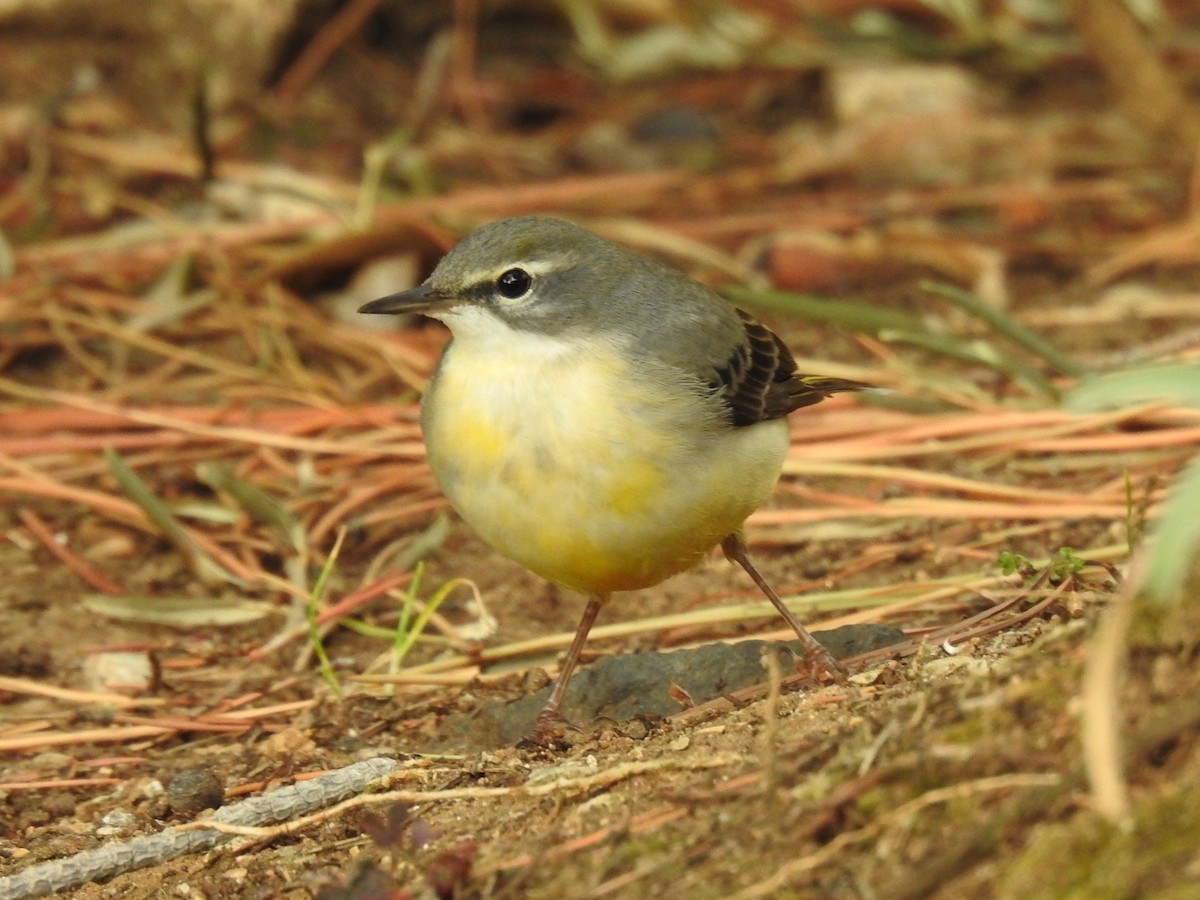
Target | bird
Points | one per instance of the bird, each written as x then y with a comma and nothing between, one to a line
600,417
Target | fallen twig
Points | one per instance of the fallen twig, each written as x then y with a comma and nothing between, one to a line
152,849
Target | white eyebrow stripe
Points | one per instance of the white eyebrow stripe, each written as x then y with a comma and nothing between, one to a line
534,268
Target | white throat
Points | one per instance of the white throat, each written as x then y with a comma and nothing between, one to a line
482,334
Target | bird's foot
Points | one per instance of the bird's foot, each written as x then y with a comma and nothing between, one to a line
821,666
550,731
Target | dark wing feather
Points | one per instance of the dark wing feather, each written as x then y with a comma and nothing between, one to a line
760,380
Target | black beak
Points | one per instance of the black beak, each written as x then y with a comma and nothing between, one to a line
420,299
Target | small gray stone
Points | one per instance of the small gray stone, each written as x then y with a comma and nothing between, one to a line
192,791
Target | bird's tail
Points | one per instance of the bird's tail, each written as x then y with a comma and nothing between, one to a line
809,389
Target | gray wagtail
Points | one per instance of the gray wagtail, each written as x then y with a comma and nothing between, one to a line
599,417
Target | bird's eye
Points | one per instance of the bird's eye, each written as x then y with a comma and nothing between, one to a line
514,283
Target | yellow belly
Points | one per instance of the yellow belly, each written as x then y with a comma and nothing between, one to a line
586,475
